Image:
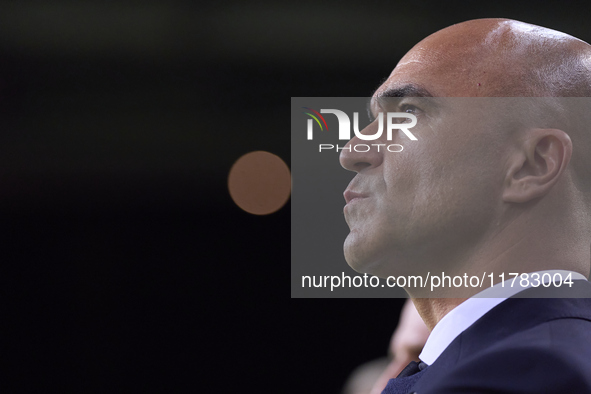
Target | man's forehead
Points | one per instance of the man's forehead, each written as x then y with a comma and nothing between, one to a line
425,73
422,83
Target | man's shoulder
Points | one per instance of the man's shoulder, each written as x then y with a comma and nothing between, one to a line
521,346
529,367
558,335
562,341
553,347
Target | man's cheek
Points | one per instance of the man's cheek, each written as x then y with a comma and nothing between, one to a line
402,173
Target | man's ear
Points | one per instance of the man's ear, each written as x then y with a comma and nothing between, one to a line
537,164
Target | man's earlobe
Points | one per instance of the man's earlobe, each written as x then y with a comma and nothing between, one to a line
537,164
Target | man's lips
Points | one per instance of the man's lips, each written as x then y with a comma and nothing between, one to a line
351,195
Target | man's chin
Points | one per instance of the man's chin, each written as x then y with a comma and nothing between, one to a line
358,258
372,262
351,251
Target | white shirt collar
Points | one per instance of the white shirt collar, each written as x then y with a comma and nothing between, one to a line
465,314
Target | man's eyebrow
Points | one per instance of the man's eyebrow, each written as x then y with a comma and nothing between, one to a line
410,90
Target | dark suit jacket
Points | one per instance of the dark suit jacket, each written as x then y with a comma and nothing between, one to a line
523,345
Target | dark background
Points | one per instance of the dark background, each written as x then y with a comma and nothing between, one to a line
126,264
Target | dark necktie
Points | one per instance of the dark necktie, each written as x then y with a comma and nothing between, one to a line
412,368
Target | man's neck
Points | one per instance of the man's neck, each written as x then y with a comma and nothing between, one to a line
432,310
528,243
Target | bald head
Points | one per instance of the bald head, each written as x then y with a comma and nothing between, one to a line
512,166
507,58
500,58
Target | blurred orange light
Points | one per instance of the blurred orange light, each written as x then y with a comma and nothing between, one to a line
260,182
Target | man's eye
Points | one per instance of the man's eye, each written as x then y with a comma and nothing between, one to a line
411,109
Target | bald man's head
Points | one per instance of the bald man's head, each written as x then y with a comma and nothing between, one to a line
507,58
501,58
514,163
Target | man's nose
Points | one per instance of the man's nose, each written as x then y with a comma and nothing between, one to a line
359,154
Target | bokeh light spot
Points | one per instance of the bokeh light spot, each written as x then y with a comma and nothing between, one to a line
260,182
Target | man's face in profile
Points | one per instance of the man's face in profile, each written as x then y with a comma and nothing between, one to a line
430,199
